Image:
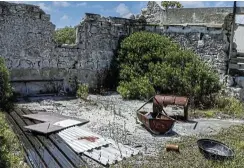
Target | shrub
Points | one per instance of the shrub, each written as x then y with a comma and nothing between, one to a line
165,66
5,88
82,91
136,88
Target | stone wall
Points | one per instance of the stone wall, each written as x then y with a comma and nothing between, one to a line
210,43
156,14
26,42
34,59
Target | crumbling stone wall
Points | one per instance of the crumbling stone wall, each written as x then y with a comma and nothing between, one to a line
26,42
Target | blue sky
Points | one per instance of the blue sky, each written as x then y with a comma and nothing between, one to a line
68,13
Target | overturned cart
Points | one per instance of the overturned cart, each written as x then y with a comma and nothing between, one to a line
158,121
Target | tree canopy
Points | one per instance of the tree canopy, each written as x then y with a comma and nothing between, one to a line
65,35
171,4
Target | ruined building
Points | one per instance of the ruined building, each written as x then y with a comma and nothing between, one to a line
38,65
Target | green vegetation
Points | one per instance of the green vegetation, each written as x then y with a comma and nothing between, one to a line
224,106
230,106
190,156
11,153
171,4
65,35
5,88
82,91
150,63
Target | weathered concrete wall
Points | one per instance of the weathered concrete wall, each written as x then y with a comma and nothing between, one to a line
26,42
156,14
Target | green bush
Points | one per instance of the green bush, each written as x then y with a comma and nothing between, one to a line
164,68
11,152
82,91
65,35
136,88
5,88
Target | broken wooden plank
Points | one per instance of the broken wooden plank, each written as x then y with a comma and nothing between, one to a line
66,150
28,147
42,151
54,151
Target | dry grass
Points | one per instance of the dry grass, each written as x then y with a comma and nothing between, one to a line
190,157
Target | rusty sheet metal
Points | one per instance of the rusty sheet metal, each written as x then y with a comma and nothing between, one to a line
111,154
81,140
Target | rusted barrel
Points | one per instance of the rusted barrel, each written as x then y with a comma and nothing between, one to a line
172,147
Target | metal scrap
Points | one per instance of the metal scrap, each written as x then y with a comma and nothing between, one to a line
77,139
52,122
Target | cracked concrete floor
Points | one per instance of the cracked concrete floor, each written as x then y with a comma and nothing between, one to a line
112,117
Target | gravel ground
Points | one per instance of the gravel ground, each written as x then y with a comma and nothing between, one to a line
112,117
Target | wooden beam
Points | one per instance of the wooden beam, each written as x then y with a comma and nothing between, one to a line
232,34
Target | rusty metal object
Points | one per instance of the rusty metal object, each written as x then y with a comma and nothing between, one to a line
161,101
157,125
172,147
89,138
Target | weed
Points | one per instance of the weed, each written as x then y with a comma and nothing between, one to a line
82,91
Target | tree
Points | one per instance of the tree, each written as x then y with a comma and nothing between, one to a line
65,35
171,4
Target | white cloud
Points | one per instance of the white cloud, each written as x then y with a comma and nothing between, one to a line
81,4
64,17
123,10
44,7
61,4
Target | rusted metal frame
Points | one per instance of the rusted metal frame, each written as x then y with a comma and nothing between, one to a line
31,152
145,103
42,151
174,103
54,151
153,97
75,159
